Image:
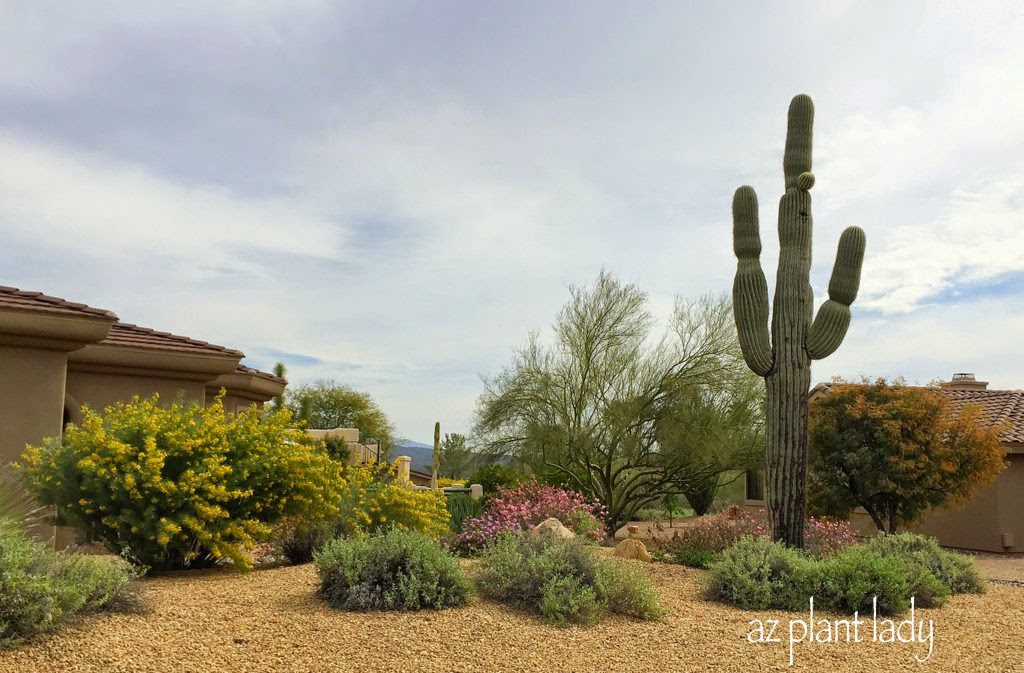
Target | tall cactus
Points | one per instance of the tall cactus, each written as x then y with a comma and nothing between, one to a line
437,454
783,359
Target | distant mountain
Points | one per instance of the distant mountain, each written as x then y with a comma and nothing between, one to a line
422,454
412,444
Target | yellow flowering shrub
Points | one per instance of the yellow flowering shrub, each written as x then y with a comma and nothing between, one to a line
171,486
373,501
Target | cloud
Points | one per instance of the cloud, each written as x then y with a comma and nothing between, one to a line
71,201
393,195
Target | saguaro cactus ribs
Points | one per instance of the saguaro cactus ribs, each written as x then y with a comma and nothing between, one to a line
784,357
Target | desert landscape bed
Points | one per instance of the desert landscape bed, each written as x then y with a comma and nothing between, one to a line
272,620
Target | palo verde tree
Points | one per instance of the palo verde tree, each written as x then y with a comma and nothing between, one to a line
783,358
897,451
588,409
718,430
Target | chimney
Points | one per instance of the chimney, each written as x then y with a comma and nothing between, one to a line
964,381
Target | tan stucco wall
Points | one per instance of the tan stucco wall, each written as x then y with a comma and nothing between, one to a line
31,397
974,525
100,390
233,403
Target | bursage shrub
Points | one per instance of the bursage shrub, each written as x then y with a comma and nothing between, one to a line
884,572
563,580
41,589
958,572
756,573
178,485
399,570
855,578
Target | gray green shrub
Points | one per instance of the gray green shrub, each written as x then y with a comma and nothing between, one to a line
399,570
756,573
41,589
564,581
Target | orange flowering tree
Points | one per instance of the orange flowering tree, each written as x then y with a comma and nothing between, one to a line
896,451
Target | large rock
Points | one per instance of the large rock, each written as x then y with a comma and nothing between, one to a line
627,531
554,526
634,550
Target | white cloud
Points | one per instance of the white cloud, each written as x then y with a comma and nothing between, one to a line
405,195
72,201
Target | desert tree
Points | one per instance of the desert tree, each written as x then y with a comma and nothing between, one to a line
326,405
897,451
588,408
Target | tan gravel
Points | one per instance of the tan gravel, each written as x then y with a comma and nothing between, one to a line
270,620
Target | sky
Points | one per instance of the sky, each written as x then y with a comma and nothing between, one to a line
394,195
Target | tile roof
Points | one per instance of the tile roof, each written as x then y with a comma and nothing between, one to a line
133,336
242,369
13,298
997,406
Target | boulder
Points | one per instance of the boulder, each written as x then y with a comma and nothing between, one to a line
634,550
627,531
554,526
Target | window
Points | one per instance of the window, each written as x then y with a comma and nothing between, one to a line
755,485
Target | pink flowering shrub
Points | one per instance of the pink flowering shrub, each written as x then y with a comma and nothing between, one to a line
823,536
703,541
525,505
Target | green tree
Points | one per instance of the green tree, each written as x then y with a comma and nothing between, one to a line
588,408
457,459
718,431
897,451
325,405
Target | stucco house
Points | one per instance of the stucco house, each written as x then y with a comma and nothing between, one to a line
993,520
57,355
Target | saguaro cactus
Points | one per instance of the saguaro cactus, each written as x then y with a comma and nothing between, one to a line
437,454
784,357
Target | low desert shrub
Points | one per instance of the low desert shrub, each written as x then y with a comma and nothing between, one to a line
170,486
756,573
884,572
855,578
300,539
41,589
399,570
526,505
563,580
958,572
824,536
702,542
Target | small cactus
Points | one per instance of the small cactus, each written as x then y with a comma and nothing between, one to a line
437,454
783,357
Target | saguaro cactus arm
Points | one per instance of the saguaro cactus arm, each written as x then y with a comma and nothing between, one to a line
799,140
833,319
749,289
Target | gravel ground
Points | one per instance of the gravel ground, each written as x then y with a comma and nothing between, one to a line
270,620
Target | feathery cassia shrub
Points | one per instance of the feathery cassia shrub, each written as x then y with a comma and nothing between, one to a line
178,485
